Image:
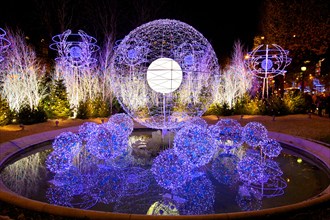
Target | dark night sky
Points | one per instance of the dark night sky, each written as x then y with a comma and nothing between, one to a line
222,23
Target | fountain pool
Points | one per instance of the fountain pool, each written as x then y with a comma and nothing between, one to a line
216,188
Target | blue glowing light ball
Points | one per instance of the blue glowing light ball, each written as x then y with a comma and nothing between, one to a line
254,133
108,142
271,147
224,169
135,181
198,196
248,198
124,121
170,170
194,144
251,169
87,130
66,146
227,133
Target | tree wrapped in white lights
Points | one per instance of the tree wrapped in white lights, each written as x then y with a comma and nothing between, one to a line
75,65
162,72
235,79
22,73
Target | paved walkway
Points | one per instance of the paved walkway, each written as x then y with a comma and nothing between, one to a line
301,125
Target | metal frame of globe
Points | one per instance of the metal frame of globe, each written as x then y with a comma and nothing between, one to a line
4,43
74,49
267,61
136,79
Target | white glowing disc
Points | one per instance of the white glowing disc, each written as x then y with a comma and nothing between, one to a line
164,75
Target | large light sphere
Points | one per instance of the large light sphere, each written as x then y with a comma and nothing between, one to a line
161,73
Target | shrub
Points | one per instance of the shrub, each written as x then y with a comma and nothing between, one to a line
5,113
27,116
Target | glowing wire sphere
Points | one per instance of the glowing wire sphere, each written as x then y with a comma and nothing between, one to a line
170,170
163,208
4,43
254,133
124,121
227,133
194,144
108,142
224,169
271,147
66,146
161,73
199,196
74,50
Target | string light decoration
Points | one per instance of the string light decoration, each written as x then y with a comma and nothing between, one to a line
4,43
161,72
248,198
163,207
74,49
271,148
124,121
95,166
267,61
170,170
135,181
194,144
227,133
254,133
198,196
66,146
224,169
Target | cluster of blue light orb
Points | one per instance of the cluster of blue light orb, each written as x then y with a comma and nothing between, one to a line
87,164
104,142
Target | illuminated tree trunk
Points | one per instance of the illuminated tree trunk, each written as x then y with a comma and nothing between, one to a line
21,74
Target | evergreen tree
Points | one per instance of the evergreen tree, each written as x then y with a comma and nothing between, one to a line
56,103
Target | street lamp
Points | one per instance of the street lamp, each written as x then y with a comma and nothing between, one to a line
303,69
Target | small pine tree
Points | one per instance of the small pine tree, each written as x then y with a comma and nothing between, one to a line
56,103
5,113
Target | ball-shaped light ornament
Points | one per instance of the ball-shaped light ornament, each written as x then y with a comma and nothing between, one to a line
224,169
170,170
254,133
66,146
271,147
199,196
162,72
227,133
124,121
108,142
194,144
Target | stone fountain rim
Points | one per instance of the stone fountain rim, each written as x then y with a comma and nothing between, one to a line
11,148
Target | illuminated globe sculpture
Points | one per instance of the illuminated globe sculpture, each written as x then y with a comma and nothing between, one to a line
161,73
4,43
74,49
267,61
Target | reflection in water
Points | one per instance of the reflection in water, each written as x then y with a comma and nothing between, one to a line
25,172
124,171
